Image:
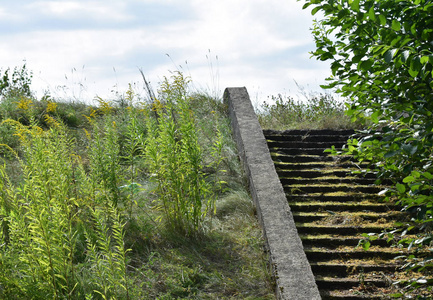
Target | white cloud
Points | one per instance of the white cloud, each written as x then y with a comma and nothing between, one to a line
97,10
261,44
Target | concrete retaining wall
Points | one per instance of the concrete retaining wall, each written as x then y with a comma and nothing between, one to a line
294,278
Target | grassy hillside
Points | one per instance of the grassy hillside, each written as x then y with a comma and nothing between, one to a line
135,198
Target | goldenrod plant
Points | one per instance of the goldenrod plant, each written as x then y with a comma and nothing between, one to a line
175,162
82,190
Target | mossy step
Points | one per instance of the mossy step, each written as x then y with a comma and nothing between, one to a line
311,228
343,218
327,180
304,132
307,138
337,207
343,269
281,157
332,242
303,144
327,167
317,174
345,198
300,151
350,295
318,167
302,189
329,254
307,217
347,283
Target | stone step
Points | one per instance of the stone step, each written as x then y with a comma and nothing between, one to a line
303,189
311,228
344,198
333,241
348,283
349,269
306,138
302,144
317,173
337,207
268,132
281,157
385,217
345,255
328,181
349,295
301,151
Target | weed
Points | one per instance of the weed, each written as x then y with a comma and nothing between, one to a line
78,192
321,111
175,158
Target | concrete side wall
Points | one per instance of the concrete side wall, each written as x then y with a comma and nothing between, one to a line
294,278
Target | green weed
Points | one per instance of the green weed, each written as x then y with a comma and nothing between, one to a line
79,188
321,111
174,158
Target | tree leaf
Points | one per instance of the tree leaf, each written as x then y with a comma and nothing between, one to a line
315,10
415,66
366,245
382,20
409,149
401,188
408,179
391,154
396,25
355,5
424,59
427,175
366,64
389,55
405,55
375,116
371,14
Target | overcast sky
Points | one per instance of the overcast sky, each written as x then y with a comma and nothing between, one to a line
85,48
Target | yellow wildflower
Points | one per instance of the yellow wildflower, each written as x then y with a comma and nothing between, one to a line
51,106
88,135
51,121
24,103
104,106
157,105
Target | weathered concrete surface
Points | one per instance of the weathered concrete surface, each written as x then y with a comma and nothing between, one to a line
294,278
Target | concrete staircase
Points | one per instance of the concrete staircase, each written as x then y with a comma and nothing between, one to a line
313,211
332,208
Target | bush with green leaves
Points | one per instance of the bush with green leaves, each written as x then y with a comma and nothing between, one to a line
17,83
381,55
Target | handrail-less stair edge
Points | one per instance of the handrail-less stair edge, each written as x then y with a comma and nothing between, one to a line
291,269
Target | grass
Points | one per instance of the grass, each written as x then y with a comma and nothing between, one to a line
86,212
318,111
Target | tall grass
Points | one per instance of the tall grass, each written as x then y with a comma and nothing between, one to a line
317,111
44,217
175,159
121,207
